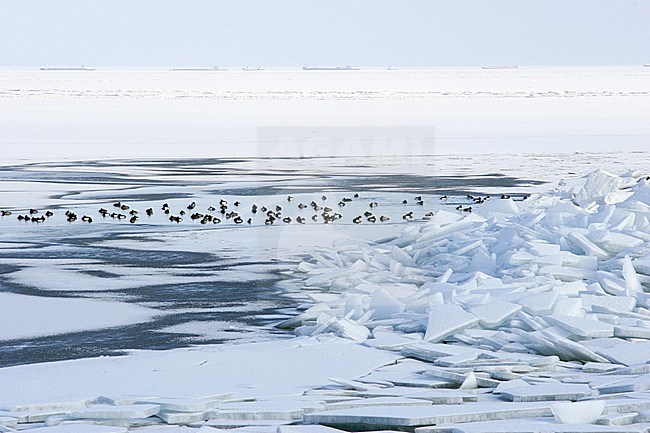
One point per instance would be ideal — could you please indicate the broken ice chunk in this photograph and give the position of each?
(548, 392)
(510, 384)
(538, 303)
(385, 305)
(446, 320)
(632, 282)
(582, 412)
(582, 326)
(102, 411)
(494, 314)
(623, 352)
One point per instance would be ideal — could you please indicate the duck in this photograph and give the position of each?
(302, 206)
(149, 211)
(374, 204)
(357, 219)
(444, 197)
(300, 220)
(384, 218)
(191, 205)
(286, 220)
(33, 211)
(5, 213)
(175, 219)
(49, 213)
(408, 216)
(254, 208)
(372, 219)
(236, 204)
(249, 221)
(289, 198)
(324, 198)
(238, 220)
(211, 208)
(468, 209)
(133, 219)
(356, 195)
(404, 201)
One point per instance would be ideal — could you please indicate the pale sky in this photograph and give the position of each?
(332, 32)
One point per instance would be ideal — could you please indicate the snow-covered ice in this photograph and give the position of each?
(32, 316)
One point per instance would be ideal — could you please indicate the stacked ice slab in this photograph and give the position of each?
(560, 274)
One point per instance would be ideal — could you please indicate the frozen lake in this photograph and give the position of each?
(399, 307)
(199, 283)
(81, 140)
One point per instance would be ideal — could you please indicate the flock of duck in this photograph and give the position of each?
(322, 212)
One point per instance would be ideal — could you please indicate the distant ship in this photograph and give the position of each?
(500, 67)
(214, 68)
(331, 68)
(251, 68)
(67, 68)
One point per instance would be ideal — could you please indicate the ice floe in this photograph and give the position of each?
(31, 316)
